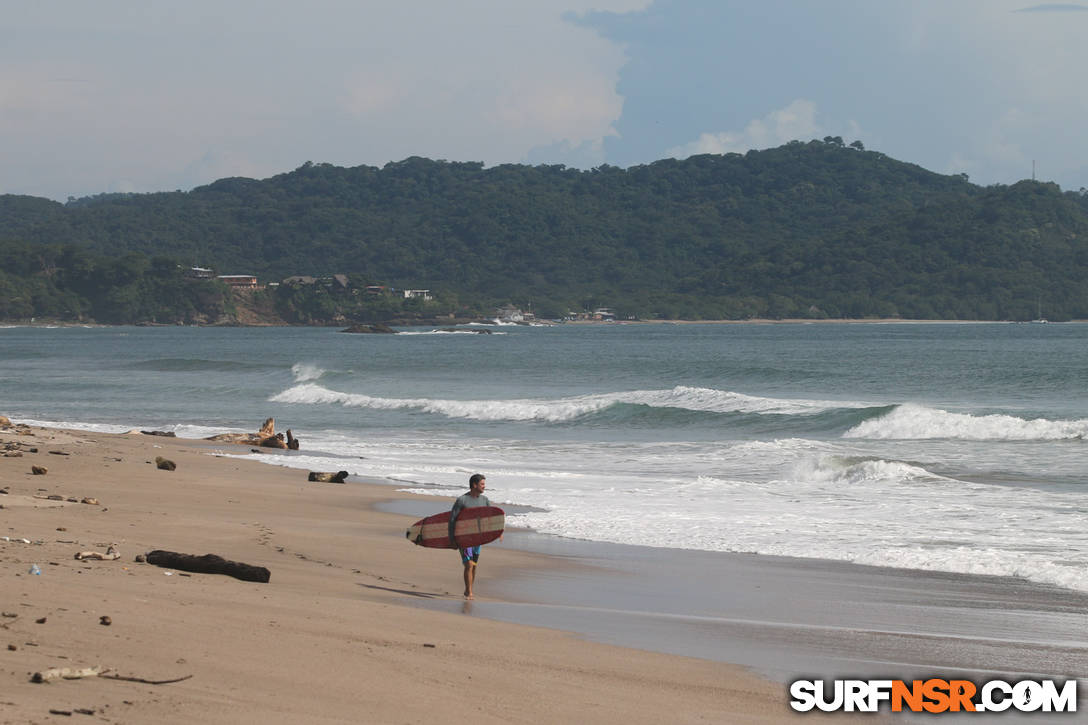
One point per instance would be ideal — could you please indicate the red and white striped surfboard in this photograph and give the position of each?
(475, 526)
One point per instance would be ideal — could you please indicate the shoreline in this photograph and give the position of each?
(355, 615)
(852, 620)
(330, 638)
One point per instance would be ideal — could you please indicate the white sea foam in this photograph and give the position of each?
(193, 432)
(877, 512)
(790, 497)
(844, 471)
(445, 332)
(545, 410)
(563, 409)
(918, 422)
(77, 425)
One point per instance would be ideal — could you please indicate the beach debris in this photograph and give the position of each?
(36, 571)
(266, 437)
(65, 673)
(60, 453)
(275, 441)
(337, 477)
(105, 620)
(208, 564)
(12, 648)
(70, 499)
(110, 554)
(249, 439)
(39, 470)
(164, 433)
(146, 682)
(140, 559)
(40, 620)
(164, 464)
(77, 673)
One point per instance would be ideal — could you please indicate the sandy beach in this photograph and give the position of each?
(329, 637)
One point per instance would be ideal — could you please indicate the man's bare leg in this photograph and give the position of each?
(470, 578)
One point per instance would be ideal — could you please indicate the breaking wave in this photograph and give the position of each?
(564, 409)
(304, 372)
(910, 421)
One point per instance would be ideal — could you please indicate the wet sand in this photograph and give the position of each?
(795, 618)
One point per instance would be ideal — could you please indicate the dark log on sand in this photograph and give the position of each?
(337, 477)
(209, 564)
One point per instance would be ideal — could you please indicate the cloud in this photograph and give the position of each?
(276, 83)
(795, 121)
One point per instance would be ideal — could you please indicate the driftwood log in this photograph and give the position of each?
(208, 564)
(337, 477)
(274, 441)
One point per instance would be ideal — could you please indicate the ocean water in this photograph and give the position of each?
(950, 447)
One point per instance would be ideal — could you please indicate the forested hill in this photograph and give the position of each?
(815, 229)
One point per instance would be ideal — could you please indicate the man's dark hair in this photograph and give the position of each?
(475, 478)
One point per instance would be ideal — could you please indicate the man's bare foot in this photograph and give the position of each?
(468, 595)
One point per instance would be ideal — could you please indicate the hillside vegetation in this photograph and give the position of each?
(812, 230)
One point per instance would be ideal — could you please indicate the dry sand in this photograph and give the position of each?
(328, 639)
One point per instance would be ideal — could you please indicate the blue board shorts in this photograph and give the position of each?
(471, 553)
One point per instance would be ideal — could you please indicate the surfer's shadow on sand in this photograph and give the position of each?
(409, 592)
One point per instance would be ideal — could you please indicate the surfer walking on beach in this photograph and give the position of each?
(470, 556)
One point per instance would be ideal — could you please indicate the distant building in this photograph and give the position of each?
(375, 289)
(299, 279)
(199, 273)
(242, 281)
(423, 294)
(509, 313)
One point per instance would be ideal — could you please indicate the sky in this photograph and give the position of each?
(126, 96)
